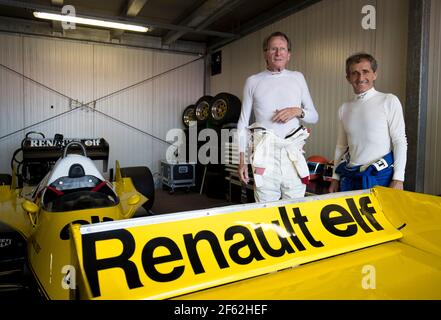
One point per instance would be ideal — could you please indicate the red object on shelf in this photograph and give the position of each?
(316, 166)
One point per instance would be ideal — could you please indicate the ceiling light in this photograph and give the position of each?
(91, 22)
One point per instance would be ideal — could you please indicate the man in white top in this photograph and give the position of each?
(371, 143)
(280, 99)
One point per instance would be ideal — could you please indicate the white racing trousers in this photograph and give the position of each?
(279, 167)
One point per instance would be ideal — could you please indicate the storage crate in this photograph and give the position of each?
(178, 175)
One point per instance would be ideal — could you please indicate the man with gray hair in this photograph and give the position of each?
(371, 143)
(280, 99)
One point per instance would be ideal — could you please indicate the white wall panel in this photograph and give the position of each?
(172, 93)
(323, 36)
(11, 97)
(147, 92)
(432, 181)
(391, 47)
(116, 71)
(134, 91)
(66, 68)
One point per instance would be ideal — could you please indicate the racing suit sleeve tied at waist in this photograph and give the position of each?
(378, 173)
(266, 143)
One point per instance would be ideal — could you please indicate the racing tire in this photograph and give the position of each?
(225, 108)
(5, 179)
(142, 179)
(202, 110)
(188, 115)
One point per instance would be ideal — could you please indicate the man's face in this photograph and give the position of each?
(277, 54)
(361, 76)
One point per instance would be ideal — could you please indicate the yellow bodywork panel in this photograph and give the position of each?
(372, 244)
(387, 271)
(340, 246)
(50, 256)
(11, 211)
(407, 268)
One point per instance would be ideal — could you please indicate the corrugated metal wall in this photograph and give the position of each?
(432, 182)
(323, 36)
(87, 72)
(11, 96)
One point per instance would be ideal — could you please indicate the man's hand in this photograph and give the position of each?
(243, 173)
(242, 170)
(396, 184)
(286, 114)
(334, 186)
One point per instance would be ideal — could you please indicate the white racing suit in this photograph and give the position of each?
(280, 170)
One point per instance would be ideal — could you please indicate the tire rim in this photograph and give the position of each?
(202, 111)
(189, 115)
(219, 109)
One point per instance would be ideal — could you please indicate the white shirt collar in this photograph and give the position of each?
(275, 72)
(365, 95)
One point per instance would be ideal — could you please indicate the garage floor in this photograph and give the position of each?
(184, 201)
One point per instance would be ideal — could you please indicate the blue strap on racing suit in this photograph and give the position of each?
(377, 174)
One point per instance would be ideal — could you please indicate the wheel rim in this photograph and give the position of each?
(202, 111)
(189, 115)
(219, 109)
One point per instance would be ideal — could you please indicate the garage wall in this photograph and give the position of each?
(432, 182)
(11, 97)
(323, 36)
(74, 70)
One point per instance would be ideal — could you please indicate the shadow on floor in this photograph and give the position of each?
(184, 201)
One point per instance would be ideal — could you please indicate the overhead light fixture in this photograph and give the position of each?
(91, 22)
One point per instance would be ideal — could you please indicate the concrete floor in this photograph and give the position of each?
(181, 200)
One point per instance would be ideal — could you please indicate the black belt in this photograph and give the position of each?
(295, 131)
(286, 137)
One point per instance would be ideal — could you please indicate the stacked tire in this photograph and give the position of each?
(215, 112)
(188, 115)
(209, 111)
(225, 108)
(202, 110)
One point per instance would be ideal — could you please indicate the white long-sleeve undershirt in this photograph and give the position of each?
(371, 126)
(270, 91)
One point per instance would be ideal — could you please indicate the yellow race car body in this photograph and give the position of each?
(371, 244)
(73, 192)
(408, 268)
